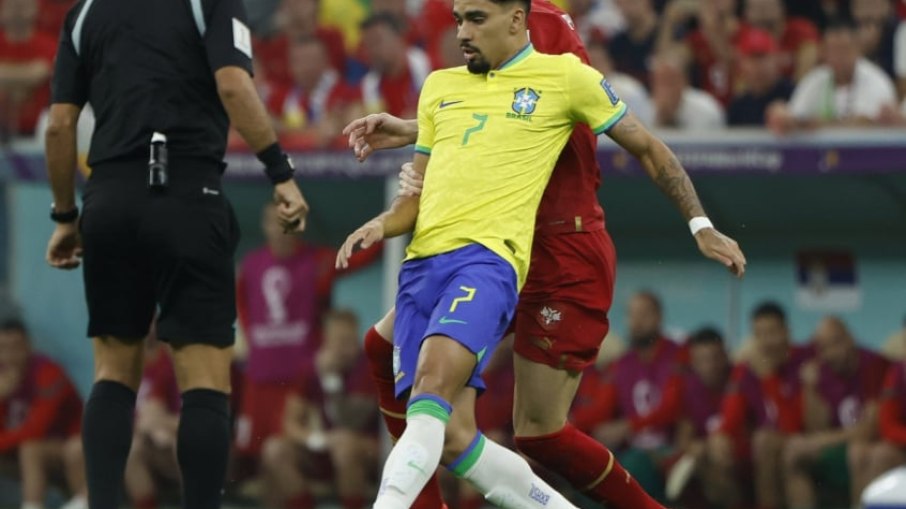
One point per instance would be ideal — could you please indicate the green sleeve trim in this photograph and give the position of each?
(421, 149)
(606, 126)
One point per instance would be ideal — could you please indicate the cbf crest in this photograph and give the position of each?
(525, 100)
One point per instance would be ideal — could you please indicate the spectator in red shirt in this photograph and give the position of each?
(840, 391)
(53, 13)
(711, 47)
(153, 453)
(26, 61)
(797, 37)
(296, 19)
(870, 460)
(40, 420)
(319, 103)
(397, 70)
(761, 407)
(330, 425)
(435, 25)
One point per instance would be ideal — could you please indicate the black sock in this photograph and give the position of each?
(106, 439)
(202, 447)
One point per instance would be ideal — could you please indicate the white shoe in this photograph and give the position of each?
(679, 477)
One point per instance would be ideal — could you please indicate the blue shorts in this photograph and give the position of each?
(468, 295)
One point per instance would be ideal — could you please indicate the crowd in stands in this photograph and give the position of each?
(683, 64)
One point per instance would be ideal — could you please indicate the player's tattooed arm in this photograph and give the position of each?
(660, 163)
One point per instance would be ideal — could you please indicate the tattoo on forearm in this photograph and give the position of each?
(675, 183)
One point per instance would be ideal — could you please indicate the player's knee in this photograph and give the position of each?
(119, 360)
(384, 326)
(276, 453)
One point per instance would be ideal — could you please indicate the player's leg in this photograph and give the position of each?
(354, 457)
(36, 460)
(284, 484)
(502, 476)
(139, 479)
(720, 478)
(379, 352)
(74, 472)
(858, 462)
(543, 397)
(767, 449)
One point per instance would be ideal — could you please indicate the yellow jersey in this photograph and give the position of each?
(493, 140)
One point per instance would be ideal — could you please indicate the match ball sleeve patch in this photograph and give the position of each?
(242, 37)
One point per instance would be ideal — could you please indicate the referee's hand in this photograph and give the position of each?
(64, 250)
(292, 209)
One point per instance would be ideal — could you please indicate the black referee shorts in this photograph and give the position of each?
(172, 251)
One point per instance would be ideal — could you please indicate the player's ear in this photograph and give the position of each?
(518, 23)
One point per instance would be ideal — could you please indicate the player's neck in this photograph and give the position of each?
(517, 46)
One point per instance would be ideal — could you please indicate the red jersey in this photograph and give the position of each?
(297, 109)
(397, 95)
(273, 53)
(570, 201)
(44, 405)
(716, 78)
(40, 47)
(647, 392)
(797, 33)
(326, 394)
(771, 401)
(892, 413)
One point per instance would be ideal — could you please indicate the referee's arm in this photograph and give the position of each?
(69, 89)
(228, 44)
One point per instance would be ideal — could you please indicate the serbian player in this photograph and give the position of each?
(890, 451)
(841, 389)
(703, 390)
(562, 314)
(40, 420)
(763, 401)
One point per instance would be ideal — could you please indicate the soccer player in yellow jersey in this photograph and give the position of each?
(489, 135)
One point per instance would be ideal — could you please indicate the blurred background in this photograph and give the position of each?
(790, 115)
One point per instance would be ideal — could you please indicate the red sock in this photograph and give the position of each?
(379, 352)
(301, 501)
(149, 502)
(474, 502)
(583, 461)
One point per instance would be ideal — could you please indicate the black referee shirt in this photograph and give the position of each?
(148, 65)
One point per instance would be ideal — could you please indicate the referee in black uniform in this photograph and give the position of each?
(165, 78)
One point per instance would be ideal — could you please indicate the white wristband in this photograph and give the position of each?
(697, 224)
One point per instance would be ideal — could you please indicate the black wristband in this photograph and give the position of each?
(277, 165)
(69, 216)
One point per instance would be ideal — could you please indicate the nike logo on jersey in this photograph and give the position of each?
(208, 190)
(444, 321)
(451, 103)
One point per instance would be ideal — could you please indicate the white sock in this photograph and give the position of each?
(506, 479)
(414, 458)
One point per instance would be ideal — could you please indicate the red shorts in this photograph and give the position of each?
(561, 319)
(261, 414)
